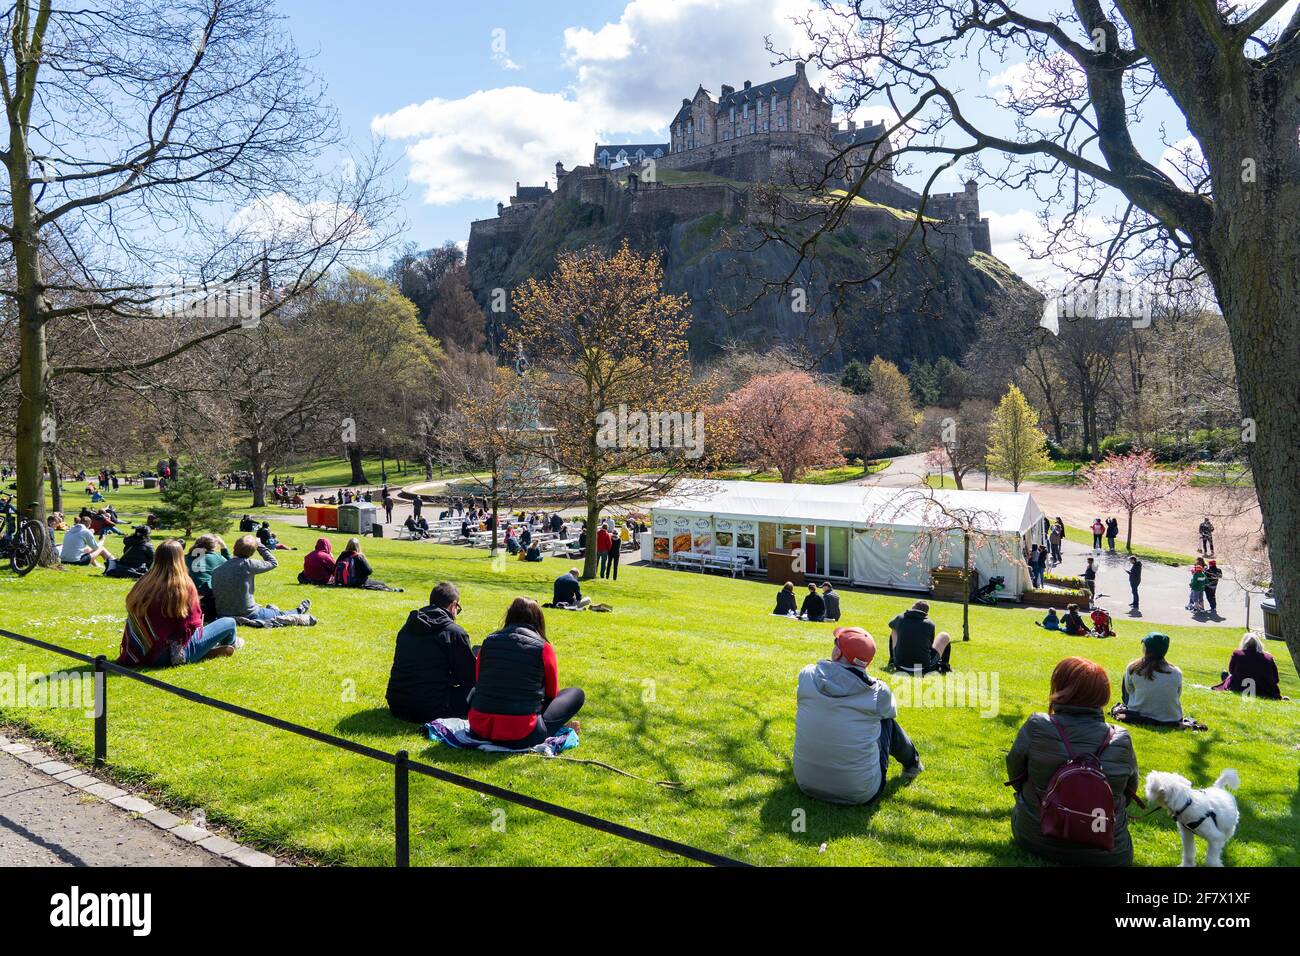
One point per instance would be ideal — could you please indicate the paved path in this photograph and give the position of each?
(47, 823)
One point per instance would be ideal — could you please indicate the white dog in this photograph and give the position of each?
(1210, 813)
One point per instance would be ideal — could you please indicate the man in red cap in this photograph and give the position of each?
(846, 728)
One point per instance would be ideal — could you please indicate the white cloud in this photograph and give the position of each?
(629, 78)
(1009, 232)
(281, 217)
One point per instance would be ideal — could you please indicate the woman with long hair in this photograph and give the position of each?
(352, 570)
(1080, 691)
(1153, 687)
(164, 619)
(517, 700)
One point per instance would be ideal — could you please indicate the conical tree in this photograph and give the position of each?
(1017, 446)
(193, 501)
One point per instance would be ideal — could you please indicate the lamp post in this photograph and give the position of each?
(383, 455)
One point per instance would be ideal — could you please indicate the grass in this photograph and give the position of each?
(816, 476)
(690, 679)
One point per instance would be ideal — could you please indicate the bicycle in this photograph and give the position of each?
(23, 539)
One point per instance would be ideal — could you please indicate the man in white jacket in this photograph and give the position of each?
(845, 727)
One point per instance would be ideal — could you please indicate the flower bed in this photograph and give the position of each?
(1058, 598)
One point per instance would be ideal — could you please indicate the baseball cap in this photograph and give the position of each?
(856, 645)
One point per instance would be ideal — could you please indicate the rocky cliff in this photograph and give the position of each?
(725, 242)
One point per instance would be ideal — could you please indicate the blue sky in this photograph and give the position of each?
(470, 98)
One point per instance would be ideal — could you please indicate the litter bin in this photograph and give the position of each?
(349, 519)
(1272, 620)
(365, 518)
(151, 482)
(377, 530)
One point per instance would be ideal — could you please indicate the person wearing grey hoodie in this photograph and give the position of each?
(233, 585)
(845, 726)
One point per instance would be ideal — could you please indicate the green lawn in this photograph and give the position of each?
(816, 476)
(690, 679)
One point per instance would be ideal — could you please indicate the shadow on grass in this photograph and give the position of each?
(378, 722)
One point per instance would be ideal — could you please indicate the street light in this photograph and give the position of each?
(383, 454)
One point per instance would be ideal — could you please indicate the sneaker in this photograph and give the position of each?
(914, 771)
(310, 622)
(305, 606)
(239, 642)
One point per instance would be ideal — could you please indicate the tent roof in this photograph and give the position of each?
(844, 505)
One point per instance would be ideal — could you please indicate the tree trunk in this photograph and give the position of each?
(260, 468)
(1257, 281)
(965, 597)
(593, 518)
(1128, 538)
(56, 483)
(358, 469)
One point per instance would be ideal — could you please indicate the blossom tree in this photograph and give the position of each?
(789, 421)
(1133, 484)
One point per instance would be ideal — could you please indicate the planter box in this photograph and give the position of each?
(1057, 599)
(947, 584)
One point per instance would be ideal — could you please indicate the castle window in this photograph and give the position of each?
(745, 111)
(796, 122)
(773, 102)
(764, 124)
(733, 114)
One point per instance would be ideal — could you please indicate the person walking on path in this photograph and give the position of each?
(1054, 540)
(1090, 579)
(1207, 537)
(1098, 529)
(1196, 597)
(603, 541)
(1134, 579)
(388, 508)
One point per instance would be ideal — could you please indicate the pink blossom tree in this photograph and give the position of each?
(1134, 484)
(789, 421)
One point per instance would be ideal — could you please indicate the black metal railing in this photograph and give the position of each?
(401, 762)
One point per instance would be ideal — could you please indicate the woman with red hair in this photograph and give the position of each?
(1075, 713)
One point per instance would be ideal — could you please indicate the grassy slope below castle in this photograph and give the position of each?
(690, 679)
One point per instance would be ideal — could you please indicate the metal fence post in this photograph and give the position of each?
(101, 711)
(401, 808)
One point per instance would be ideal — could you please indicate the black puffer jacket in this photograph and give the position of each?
(433, 668)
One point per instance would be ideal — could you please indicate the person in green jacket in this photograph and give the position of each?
(208, 554)
(1196, 598)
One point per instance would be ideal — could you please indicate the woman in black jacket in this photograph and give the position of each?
(785, 600)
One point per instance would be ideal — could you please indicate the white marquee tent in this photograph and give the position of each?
(860, 534)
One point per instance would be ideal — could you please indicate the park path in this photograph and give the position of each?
(45, 822)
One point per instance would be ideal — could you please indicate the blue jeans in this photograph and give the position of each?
(268, 613)
(220, 631)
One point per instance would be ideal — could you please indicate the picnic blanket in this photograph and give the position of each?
(1127, 716)
(455, 733)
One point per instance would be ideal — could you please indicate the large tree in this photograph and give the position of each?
(1016, 445)
(1100, 82)
(610, 373)
(154, 144)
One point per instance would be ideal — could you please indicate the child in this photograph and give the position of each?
(1101, 622)
(1051, 622)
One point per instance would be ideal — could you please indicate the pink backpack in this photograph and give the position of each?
(1079, 806)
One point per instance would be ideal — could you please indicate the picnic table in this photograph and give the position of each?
(706, 561)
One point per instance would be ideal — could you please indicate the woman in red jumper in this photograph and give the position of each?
(517, 700)
(164, 620)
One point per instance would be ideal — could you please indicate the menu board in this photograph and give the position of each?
(724, 537)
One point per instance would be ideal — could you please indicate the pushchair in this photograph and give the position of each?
(988, 593)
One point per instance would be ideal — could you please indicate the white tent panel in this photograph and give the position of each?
(882, 561)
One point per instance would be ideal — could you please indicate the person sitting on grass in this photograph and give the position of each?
(567, 592)
(913, 644)
(318, 564)
(80, 547)
(433, 664)
(846, 726)
(814, 606)
(352, 570)
(533, 553)
(512, 543)
(517, 699)
(164, 618)
(786, 604)
(137, 556)
(1152, 688)
(208, 554)
(1080, 691)
(832, 599)
(1051, 622)
(1101, 622)
(268, 538)
(234, 586)
(1073, 623)
(1252, 671)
